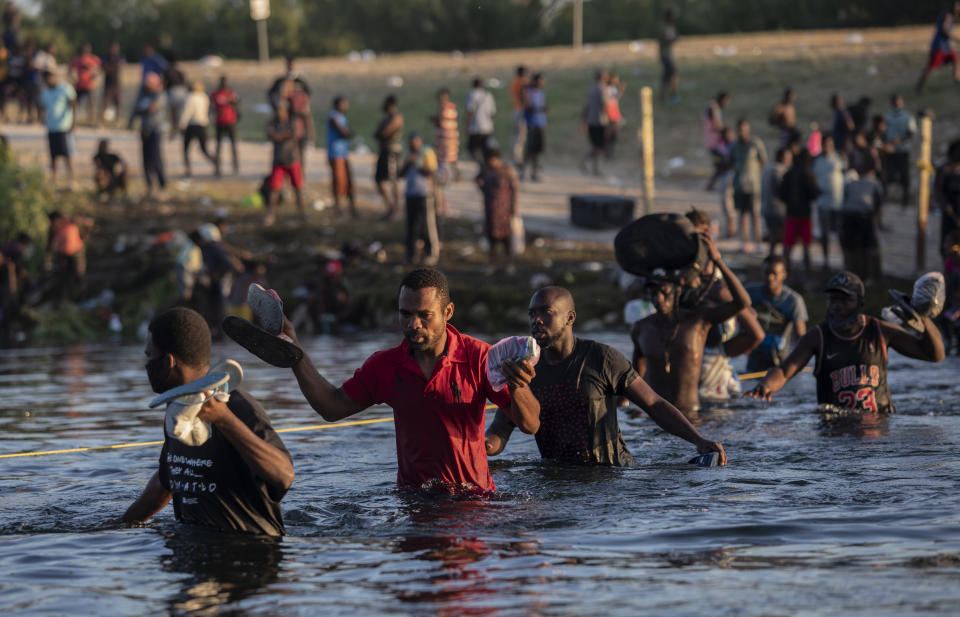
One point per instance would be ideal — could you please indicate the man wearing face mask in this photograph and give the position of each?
(851, 352)
(578, 383)
(234, 480)
(436, 382)
(668, 345)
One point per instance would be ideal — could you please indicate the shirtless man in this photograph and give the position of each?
(578, 383)
(668, 345)
(851, 352)
(942, 51)
(732, 338)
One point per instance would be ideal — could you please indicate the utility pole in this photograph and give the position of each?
(578, 24)
(260, 12)
(923, 196)
(646, 146)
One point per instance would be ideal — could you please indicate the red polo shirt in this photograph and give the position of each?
(439, 421)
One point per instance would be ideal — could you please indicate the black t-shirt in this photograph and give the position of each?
(578, 406)
(111, 70)
(285, 149)
(216, 259)
(107, 161)
(173, 77)
(212, 484)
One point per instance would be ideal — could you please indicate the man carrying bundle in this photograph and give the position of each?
(578, 383)
(668, 345)
(234, 480)
(851, 351)
(434, 380)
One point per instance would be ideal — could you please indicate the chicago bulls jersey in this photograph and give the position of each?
(852, 372)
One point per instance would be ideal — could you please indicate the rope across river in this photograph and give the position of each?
(315, 427)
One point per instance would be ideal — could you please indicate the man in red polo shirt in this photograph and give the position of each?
(436, 383)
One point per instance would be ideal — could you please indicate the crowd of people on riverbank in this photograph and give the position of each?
(834, 182)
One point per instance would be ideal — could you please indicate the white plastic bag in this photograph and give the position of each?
(518, 240)
(514, 348)
(181, 420)
(929, 294)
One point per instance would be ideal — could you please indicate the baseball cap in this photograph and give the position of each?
(846, 282)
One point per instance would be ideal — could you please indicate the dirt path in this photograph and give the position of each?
(544, 205)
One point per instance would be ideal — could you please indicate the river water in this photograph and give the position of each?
(807, 519)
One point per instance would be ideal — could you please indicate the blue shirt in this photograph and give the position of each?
(941, 41)
(154, 64)
(535, 115)
(56, 102)
(338, 146)
(417, 184)
(776, 317)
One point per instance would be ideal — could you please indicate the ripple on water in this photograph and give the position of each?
(861, 519)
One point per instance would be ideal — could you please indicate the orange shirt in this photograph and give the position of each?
(516, 92)
(68, 240)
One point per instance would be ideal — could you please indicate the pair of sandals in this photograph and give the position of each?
(266, 340)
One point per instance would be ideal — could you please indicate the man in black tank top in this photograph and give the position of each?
(851, 352)
(578, 382)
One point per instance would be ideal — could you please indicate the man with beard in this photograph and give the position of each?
(436, 383)
(851, 352)
(234, 480)
(578, 383)
(668, 345)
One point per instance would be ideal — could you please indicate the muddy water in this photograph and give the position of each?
(807, 519)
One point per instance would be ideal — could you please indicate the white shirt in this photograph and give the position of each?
(482, 107)
(196, 110)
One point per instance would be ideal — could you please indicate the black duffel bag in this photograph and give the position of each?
(660, 246)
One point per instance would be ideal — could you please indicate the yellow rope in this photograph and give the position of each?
(744, 377)
(157, 443)
(761, 374)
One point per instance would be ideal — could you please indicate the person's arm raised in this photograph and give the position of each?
(669, 418)
(330, 402)
(776, 378)
(740, 300)
(928, 347)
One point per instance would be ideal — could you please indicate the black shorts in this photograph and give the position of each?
(226, 130)
(475, 142)
(387, 165)
(897, 168)
(744, 202)
(59, 142)
(598, 135)
(84, 95)
(669, 67)
(858, 231)
(830, 220)
(535, 140)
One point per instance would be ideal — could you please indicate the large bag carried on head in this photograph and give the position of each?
(656, 242)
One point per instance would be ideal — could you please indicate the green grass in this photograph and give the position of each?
(754, 82)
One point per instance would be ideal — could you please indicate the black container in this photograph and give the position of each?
(601, 211)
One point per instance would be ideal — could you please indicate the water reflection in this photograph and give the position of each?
(221, 568)
(863, 425)
(797, 516)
